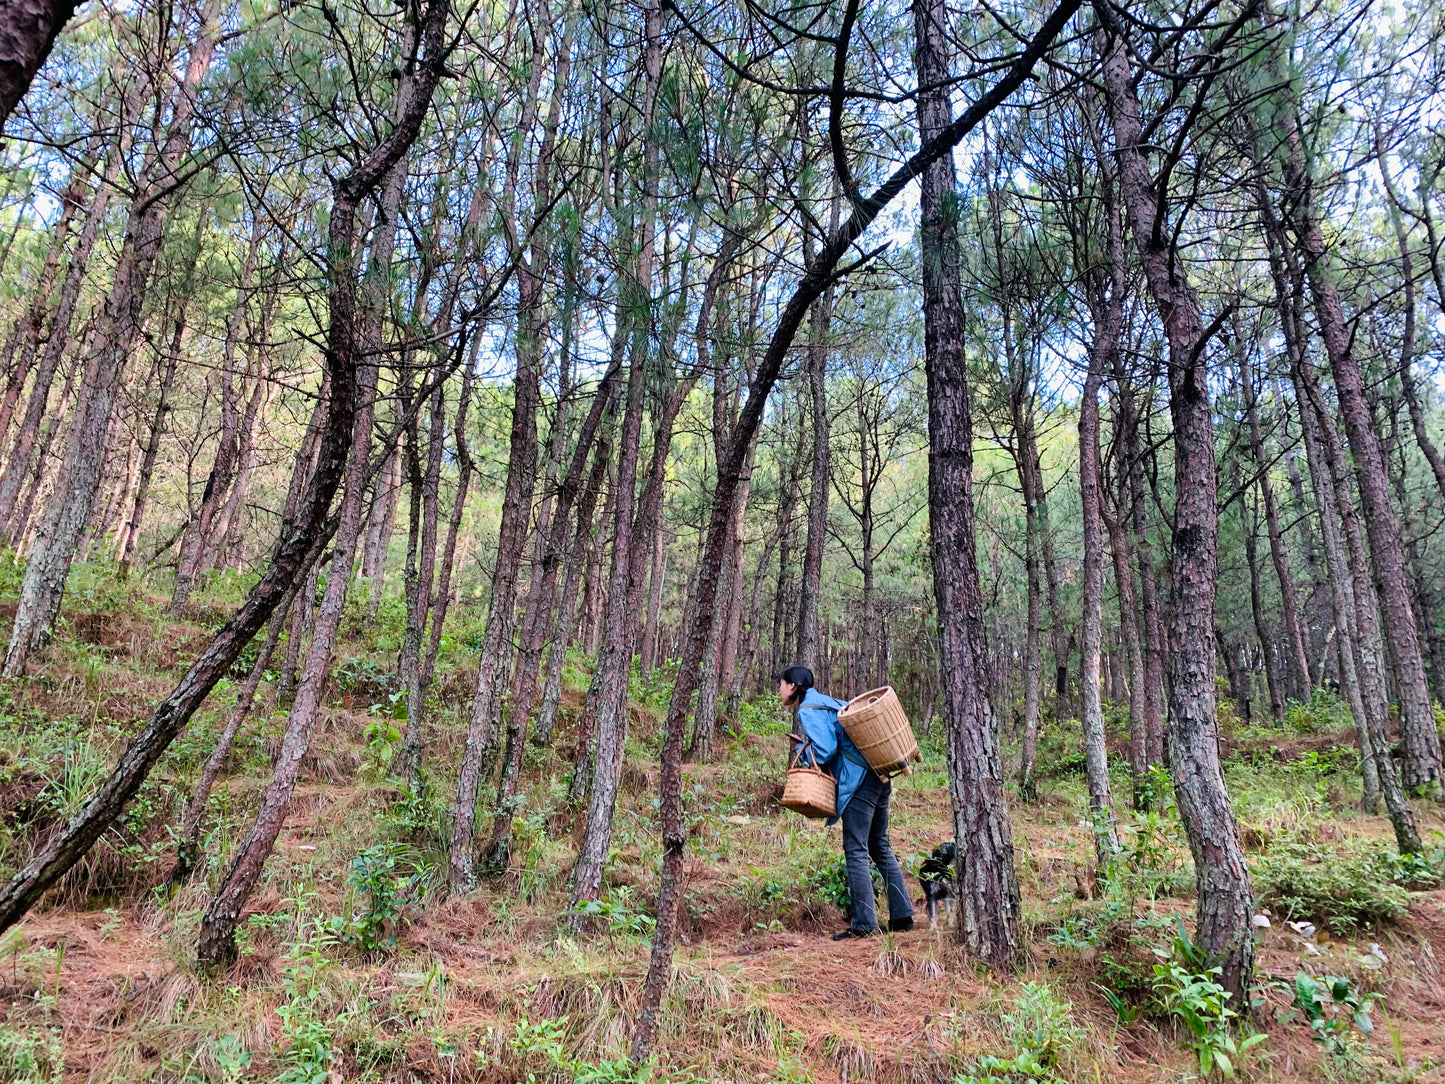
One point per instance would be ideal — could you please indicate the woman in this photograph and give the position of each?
(862, 805)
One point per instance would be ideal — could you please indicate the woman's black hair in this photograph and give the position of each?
(799, 676)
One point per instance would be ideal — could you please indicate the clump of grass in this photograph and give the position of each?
(1344, 886)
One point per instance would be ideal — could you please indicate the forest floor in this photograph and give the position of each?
(354, 967)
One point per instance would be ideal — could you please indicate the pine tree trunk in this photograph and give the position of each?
(223, 469)
(808, 289)
(494, 666)
(421, 547)
(1421, 768)
(1226, 901)
(188, 847)
(985, 883)
(656, 578)
(231, 529)
(130, 535)
(59, 532)
(1108, 317)
(28, 29)
(1134, 655)
(539, 611)
(609, 681)
(1294, 630)
(1356, 615)
(1032, 661)
(22, 347)
(566, 613)
(810, 591)
(380, 522)
(1262, 627)
(216, 939)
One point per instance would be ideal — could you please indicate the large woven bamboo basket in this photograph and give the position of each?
(877, 726)
(809, 790)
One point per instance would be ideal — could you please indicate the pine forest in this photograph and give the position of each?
(475, 477)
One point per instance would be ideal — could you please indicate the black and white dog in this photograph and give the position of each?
(936, 877)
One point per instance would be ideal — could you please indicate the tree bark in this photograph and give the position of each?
(1108, 317)
(130, 534)
(524, 687)
(1262, 627)
(1294, 630)
(1226, 901)
(22, 451)
(1421, 767)
(567, 612)
(28, 29)
(188, 847)
(810, 591)
(421, 548)
(985, 883)
(494, 666)
(1032, 662)
(223, 469)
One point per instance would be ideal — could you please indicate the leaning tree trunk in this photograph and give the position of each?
(28, 29)
(1226, 901)
(188, 847)
(819, 275)
(216, 939)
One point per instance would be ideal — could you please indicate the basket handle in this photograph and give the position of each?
(803, 745)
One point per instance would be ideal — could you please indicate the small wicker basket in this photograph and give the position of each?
(809, 791)
(877, 726)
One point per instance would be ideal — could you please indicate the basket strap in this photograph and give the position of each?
(855, 757)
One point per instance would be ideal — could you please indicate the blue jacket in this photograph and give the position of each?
(837, 755)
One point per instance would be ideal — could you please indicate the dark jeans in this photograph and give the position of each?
(865, 835)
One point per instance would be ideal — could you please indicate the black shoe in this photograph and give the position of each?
(900, 925)
(850, 932)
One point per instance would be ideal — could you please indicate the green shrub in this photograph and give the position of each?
(380, 897)
(1324, 712)
(1025, 1067)
(1343, 887)
(1042, 1022)
(1190, 992)
(31, 1057)
(1330, 1006)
